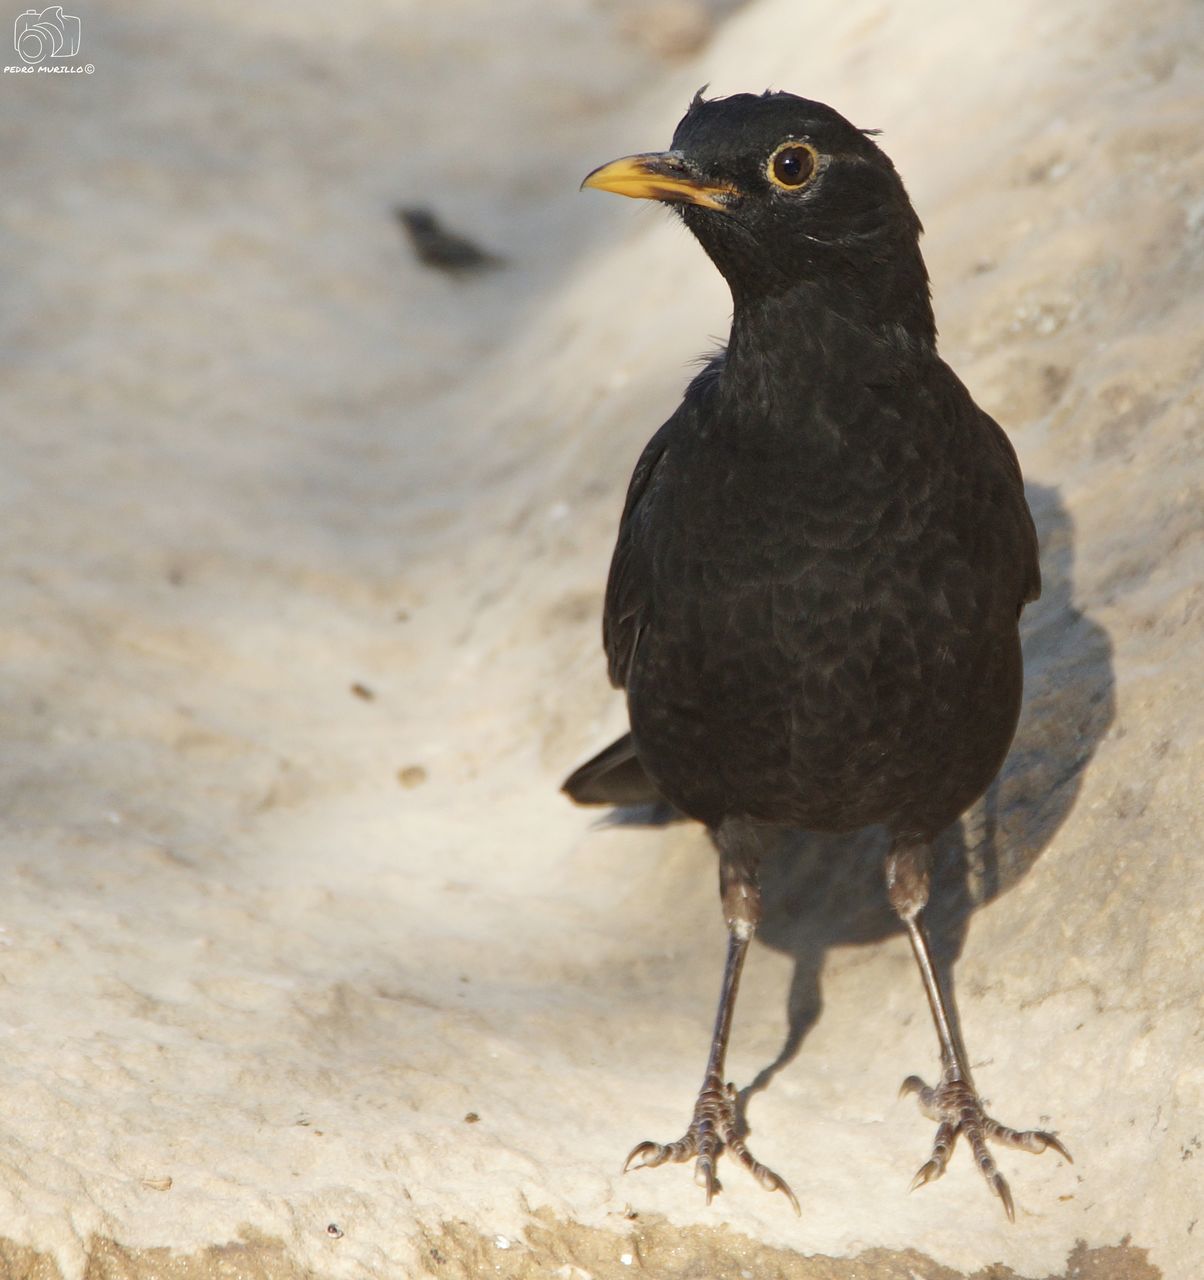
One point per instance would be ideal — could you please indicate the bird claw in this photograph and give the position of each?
(913, 1084)
(713, 1130)
(926, 1173)
(651, 1154)
(958, 1110)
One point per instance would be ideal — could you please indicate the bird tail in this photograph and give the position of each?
(614, 776)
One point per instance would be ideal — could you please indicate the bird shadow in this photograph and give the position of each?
(821, 891)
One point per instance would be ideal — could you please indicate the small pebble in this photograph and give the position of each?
(626, 1259)
(413, 775)
(362, 691)
(334, 1231)
(502, 1242)
(157, 1184)
(471, 1118)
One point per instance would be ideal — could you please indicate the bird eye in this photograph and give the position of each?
(792, 165)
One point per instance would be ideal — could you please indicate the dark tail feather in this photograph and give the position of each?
(614, 776)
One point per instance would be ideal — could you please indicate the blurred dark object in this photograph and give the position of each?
(437, 247)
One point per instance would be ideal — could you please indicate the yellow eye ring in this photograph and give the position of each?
(792, 165)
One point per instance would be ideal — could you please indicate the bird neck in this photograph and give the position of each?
(889, 299)
(786, 347)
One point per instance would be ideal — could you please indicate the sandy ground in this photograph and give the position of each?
(298, 980)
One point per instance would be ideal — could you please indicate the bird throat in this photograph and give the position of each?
(792, 354)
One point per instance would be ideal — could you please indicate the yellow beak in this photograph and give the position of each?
(661, 175)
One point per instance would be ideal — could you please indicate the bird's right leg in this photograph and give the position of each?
(714, 1127)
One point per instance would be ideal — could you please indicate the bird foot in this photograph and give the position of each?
(957, 1109)
(713, 1130)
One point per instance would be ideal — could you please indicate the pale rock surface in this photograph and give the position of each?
(255, 976)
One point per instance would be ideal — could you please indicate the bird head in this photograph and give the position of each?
(783, 192)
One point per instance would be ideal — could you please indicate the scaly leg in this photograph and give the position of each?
(954, 1103)
(714, 1127)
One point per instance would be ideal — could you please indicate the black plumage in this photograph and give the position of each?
(814, 598)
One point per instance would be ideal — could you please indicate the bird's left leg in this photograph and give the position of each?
(715, 1127)
(954, 1103)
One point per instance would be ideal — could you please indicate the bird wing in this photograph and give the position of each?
(627, 588)
(992, 506)
(1030, 552)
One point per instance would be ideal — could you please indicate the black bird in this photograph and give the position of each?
(815, 596)
(444, 250)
